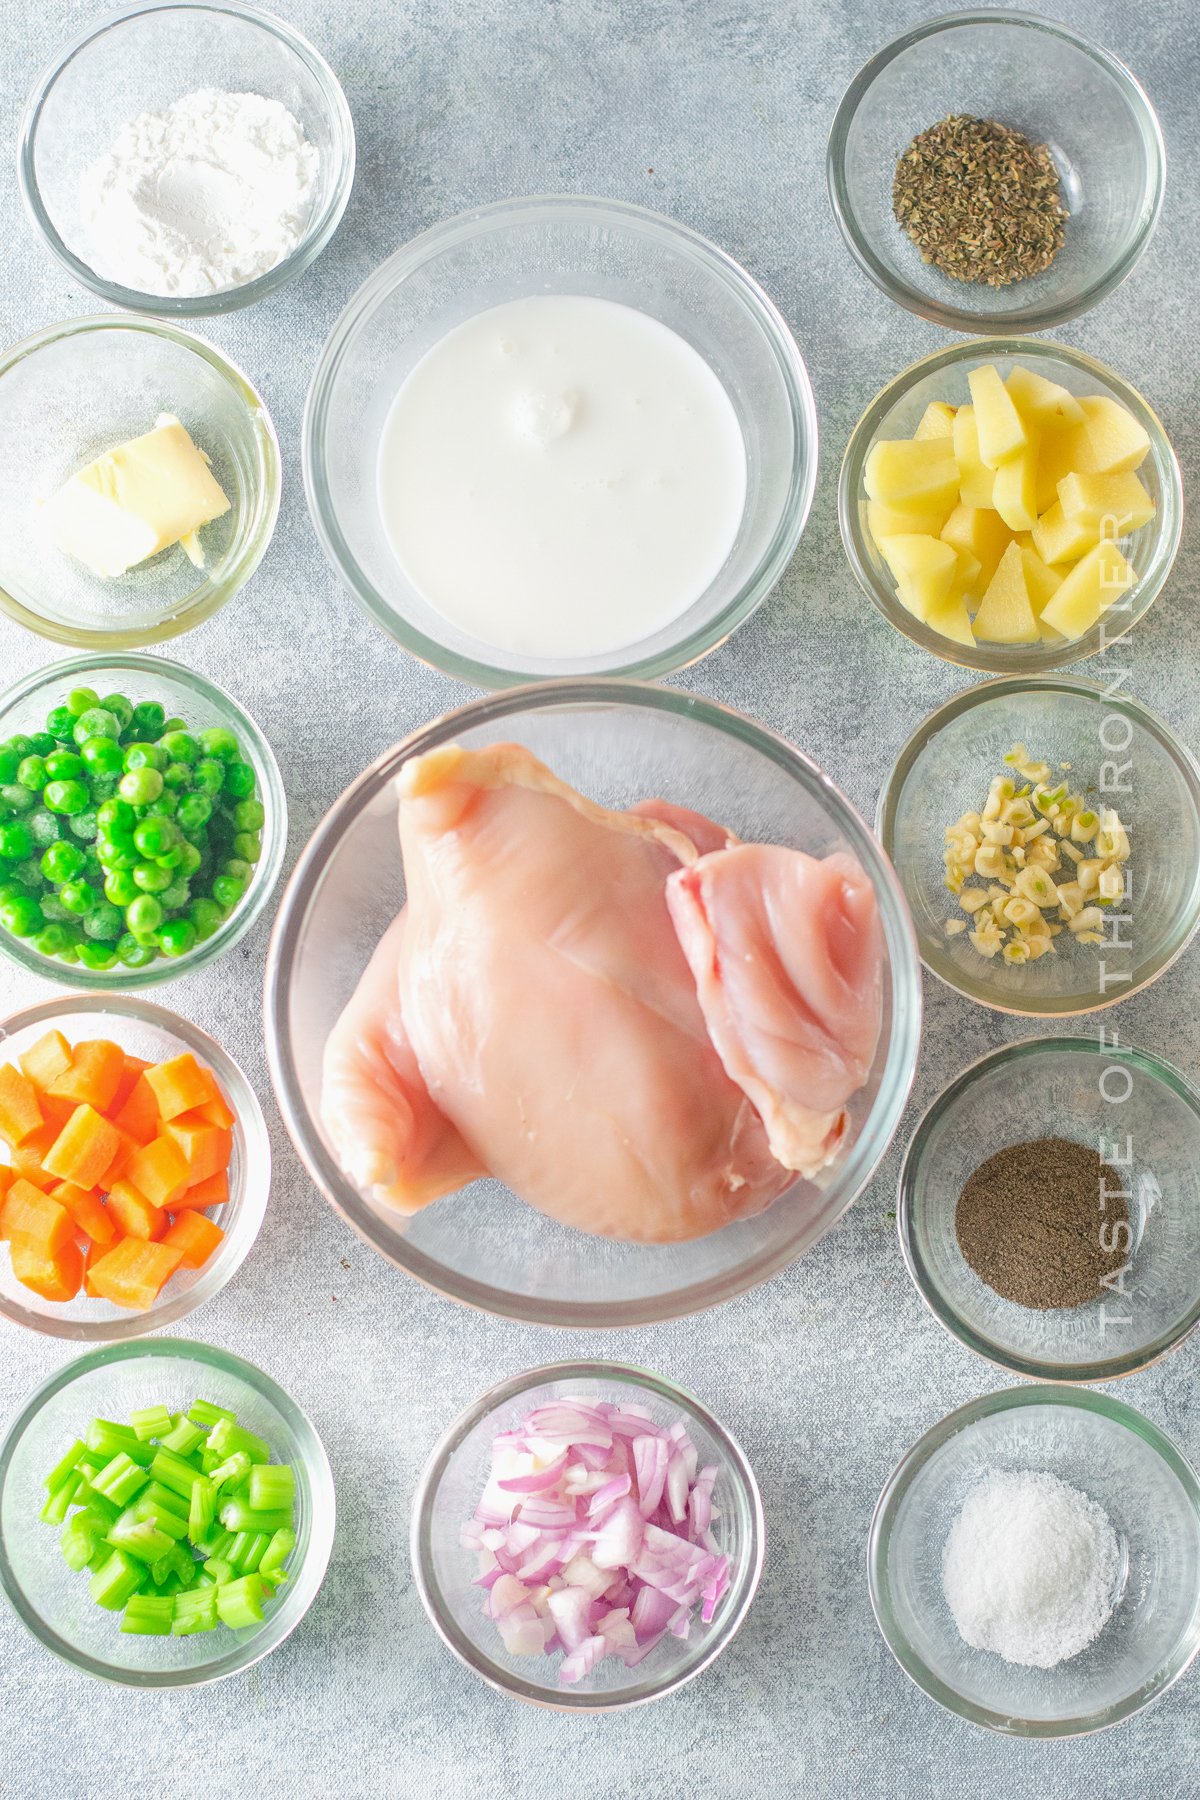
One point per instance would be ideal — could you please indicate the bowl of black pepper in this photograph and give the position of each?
(1049, 1209)
(995, 171)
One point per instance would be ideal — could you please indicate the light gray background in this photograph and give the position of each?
(716, 113)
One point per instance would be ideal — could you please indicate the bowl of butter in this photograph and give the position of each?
(139, 481)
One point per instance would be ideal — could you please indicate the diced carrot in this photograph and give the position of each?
(84, 1148)
(218, 1111)
(134, 1066)
(180, 1084)
(27, 1216)
(159, 1170)
(132, 1272)
(138, 1113)
(55, 1110)
(206, 1148)
(6, 1178)
(20, 1114)
(92, 1253)
(213, 1192)
(55, 1275)
(46, 1060)
(87, 1210)
(136, 1216)
(196, 1236)
(94, 1075)
(29, 1157)
(121, 1155)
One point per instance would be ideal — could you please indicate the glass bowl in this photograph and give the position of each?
(77, 389)
(445, 1571)
(142, 59)
(945, 769)
(618, 742)
(52, 1600)
(1123, 1463)
(565, 244)
(1047, 81)
(1144, 1119)
(895, 412)
(154, 1034)
(202, 703)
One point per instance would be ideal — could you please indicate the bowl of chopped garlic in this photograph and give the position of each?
(1046, 833)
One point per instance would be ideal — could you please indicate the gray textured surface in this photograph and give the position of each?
(828, 1373)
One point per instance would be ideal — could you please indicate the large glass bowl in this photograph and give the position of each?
(945, 769)
(201, 703)
(1122, 1462)
(52, 1600)
(72, 392)
(1056, 87)
(565, 244)
(895, 412)
(154, 1034)
(445, 1572)
(143, 59)
(617, 742)
(1144, 1119)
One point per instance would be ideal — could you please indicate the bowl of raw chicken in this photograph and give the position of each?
(592, 1004)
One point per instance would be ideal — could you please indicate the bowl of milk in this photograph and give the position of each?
(559, 436)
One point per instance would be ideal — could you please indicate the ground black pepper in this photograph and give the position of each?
(1034, 1219)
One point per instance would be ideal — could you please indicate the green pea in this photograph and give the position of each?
(120, 888)
(165, 807)
(227, 890)
(79, 700)
(175, 897)
(64, 765)
(240, 780)
(195, 810)
(154, 836)
(93, 868)
(177, 937)
(52, 907)
(83, 825)
(237, 867)
(60, 723)
(32, 772)
(177, 775)
(217, 741)
(68, 797)
(78, 897)
(150, 878)
(117, 850)
(146, 756)
(144, 914)
(97, 956)
(249, 815)
(148, 719)
(189, 861)
(116, 813)
(180, 746)
(133, 954)
(140, 786)
(103, 788)
(10, 762)
(97, 721)
(52, 940)
(206, 916)
(119, 707)
(16, 840)
(42, 744)
(248, 846)
(61, 862)
(103, 755)
(44, 826)
(104, 923)
(17, 798)
(21, 744)
(21, 915)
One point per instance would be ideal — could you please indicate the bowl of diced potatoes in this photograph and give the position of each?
(1010, 505)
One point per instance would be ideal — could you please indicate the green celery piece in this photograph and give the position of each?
(206, 1412)
(255, 1550)
(203, 1510)
(169, 1523)
(98, 1515)
(149, 1615)
(278, 1550)
(120, 1479)
(175, 1562)
(240, 1603)
(140, 1538)
(195, 1611)
(59, 1504)
(276, 1577)
(238, 1515)
(174, 1473)
(166, 1499)
(89, 1465)
(99, 1556)
(115, 1580)
(229, 1438)
(272, 1487)
(238, 1548)
(171, 1587)
(217, 1570)
(183, 1437)
(106, 1438)
(78, 1543)
(210, 1459)
(231, 1473)
(65, 1466)
(150, 1422)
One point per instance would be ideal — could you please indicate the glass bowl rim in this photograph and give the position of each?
(920, 1453)
(955, 318)
(1009, 659)
(222, 1269)
(1030, 1368)
(546, 1694)
(258, 527)
(482, 221)
(310, 1574)
(896, 1080)
(318, 231)
(1081, 687)
(248, 910)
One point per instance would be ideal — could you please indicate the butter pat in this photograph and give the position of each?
(136, 500)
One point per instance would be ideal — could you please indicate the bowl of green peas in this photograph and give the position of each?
(142, 821)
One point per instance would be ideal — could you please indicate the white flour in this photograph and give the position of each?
(210, 193)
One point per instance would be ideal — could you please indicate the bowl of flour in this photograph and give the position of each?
(186, 159)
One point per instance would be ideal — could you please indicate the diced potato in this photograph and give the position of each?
(981, 532)
(1116, 504)
(1014, 492)
(967, 582)
(896, 521)
(999, 424)
(1040, 402)
(1058, 539)
(1005, 614)
(953, 620)
(1096, 581)
(1110, 440)
(974, 480)
(1056, 459)
(924, 568)
(907, 473)
(937, 421)
(1041, 581)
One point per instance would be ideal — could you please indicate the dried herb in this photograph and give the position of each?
(1034, 1221)
(980, 201)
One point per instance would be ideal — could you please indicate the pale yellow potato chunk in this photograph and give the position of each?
(1096, 581)
(937, 421)
(1014, 492)
(1056, 459)
(1006, 615)
(974, 480)
(923, 567)
(981, 532)
(1112, 505)
(895, 521)
(952, 620)
(1042, 403)
(909, 473)
(999, 425)
(1058, 539)
(1110, 440)
(1041, 581)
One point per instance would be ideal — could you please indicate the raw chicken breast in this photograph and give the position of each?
(786, 952)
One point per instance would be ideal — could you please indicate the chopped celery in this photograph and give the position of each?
(240, 1603)
(278, 1550)
(165, 1499)
(203, 1509)
(238, 1548)
(65, 1466)
(183, 1436)
(140, 1538)
(120, 1479)
(59, 1504)
(272, 1488)
(217, 1569)
(150, 1422)
(195, 1611)
(115, 1580)
(238, 1515)
(149, 1615)
(167, 1522)
(276, 1577)
(78, 1542)
(206, 1412)
(174, 1473)
(227, 1438)
(254, 1552)
(232, 1473)
(177, 1563)
(107, 1438)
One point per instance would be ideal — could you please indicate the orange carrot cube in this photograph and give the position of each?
(27, 1216)
(181, 1084)
(203, 1194)
(94, 1075)
(84, 1148)
(135, 1215)
(138, 1113)
(206, 1148)
(126, 1146)
(55, 1275)
(20, 1114)
(132, 1272)
(196, 1236)
(87, 1211)
(29, 1157)
(218, 1111)
(134, 1067)
(46, 1060)
(159, 1170)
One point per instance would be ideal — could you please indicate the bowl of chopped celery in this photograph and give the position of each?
(1046, 833)
(166, 1514)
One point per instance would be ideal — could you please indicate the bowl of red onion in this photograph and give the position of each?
(587, 1536)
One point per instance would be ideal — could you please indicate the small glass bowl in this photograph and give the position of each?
(617, 742)
(75, 390)
(895, 413)
(142, 59)
(52, 1600)
(154, 1034)
(1047, 81)
(445, 1571)
(202, 703)
(1143, 1118)
(945, 770)
(1123, 1463)
(558, 244)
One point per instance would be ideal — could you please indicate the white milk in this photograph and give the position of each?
(561, 476)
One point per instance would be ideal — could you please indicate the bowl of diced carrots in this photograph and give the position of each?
(134, 1167)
